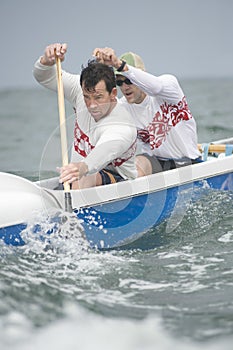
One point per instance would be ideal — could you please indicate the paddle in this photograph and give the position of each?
(214, 148)
(61, 108)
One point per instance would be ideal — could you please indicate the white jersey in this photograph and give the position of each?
(164, 123)
(108, 143)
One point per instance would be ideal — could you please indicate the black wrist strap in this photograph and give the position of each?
(120, 69)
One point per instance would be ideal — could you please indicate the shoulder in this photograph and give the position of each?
(72, 88)
(119, 118)
(121, 111)
(72, 79)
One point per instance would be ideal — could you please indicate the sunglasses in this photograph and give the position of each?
(120, 82)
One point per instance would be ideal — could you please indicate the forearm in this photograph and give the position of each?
(104, 154)
(98, 159)
(147, 82)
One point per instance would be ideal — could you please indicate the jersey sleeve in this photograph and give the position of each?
(112, 144)
(165, 86)
(46, 76)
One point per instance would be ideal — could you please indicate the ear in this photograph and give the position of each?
(114, 93)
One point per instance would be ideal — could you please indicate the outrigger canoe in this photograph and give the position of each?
(114, 216)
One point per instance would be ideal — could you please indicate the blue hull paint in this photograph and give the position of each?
(110, 225)
(11, 235)
(123, 221)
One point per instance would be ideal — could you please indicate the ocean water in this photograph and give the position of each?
(63, 295)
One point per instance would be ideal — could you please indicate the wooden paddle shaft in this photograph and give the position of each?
(214, 148)
(61, 107)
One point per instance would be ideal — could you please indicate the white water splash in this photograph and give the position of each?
(57, 230)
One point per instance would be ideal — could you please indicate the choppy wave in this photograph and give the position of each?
(59, 291)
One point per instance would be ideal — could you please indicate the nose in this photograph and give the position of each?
(91, 103)
(125, 86)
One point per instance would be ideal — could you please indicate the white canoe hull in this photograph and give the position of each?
(113, 215)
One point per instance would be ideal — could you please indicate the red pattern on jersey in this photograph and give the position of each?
(156, 132)
(83, 146)
(126, 156)
(82, 143)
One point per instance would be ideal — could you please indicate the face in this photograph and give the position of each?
(99, 102)
(131, 92)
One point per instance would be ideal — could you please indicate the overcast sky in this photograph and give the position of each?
(189, 38)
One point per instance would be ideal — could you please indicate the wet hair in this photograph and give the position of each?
(94, 72)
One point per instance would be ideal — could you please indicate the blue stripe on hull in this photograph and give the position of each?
(11, 235)
(112, 223)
